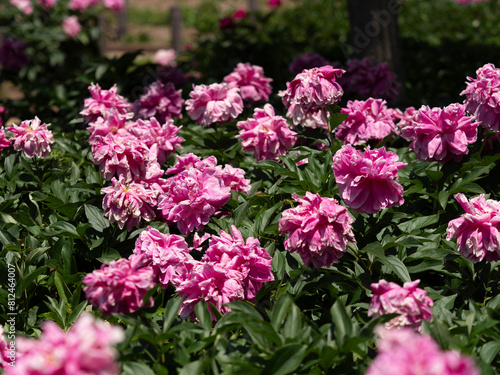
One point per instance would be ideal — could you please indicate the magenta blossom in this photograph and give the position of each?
(410, 302)
(215, 103)
(4, 142)
(319, 229)
(482, 97)
(46, 4)
(310, 91)
(119, 287)
(6, 349)
(366, 180)
(161, 101)
(71, 26)
(82, 5)
(87, 348)
(112, 122)
(250, 79)
(366, 120)
(192, 161)
(405, 352)
(102, 101)
(266, 135)
(114, 5)
(12, 54)
(34, 138)
(441, 134)
(234, 178)
(126, 203)
(478, 230)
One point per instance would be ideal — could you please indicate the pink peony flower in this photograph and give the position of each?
(366, 120)
(112, 122)
(87, 348)
(239, 14)
(192, 161)
(310, 91)
(366, 180)
(12, 54)
(250, 79)
(404, 352)
(191, 197)
(126, 203)
(114, 5)
(215, 103)
(161, 101)
(441, 134)
(4, 142)
(233, 252)
(34, 138)
(119, 287)
(411, 302)
(406, 118)
(482, 97)
(102, 101)
(266, 135)
(165, 57)
(274, 3)
(478, 230)
(234, 178)
(319, 229)
(46, 4)
(6, 350)
(25, 6)
(307, 61)
(82, 5)
(162, 252)
(71, 26)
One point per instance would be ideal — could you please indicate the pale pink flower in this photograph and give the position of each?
(366, 120)
(126, 203)
(71, 26)
(406, 118)
(366, 180)
(478, 230)
(441, 134)
(482, 97)
(266, 135)
(215, 103)
(318, 229)
(410, 302)
(250, 79)
(165, 57)
(82, 5)
(307, 61)
(310, 91)
(87, 348)
(46, 4)
(119, 287)
(405, 352)
(234, 178)
(33, 137)
(192, 197)
(25, 6)
(161, 101)
(247, 257)
(102, 101)
(114, 5)
(4, 142)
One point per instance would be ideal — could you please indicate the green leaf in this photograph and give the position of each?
(280, 310)
(136, 368)
(62, 288)
(343, 324)
(61, 227)
(203, 314)
(77, 311)
(285, 360)
(171, 312)
(28, 279)
(396, 266)
(418, 223)
(489, 351)
(96, 217)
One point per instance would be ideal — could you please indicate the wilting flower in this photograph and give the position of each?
(162, 252)
(319, 229)
(165, 57)
(478, 230)
(4, 142)
(25, 6)
(87, 348)
(119, 287)
(71, 26)
(250, 79)
(441, 134)
(34, 138)
(307, 61)
(126, 203)
(114, 5)
(12, 54)
(366, 120)
(266, 135)
(410, 302)
(102, 101)
(161, 101)
(405, 352)
(214, 103)
(366, 180)
(310, 91)
(482, 97)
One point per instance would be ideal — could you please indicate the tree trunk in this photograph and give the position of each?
(375, 33)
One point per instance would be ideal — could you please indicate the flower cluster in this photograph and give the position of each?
(33, 137)
(410, 302)
(161, 101)
(478, 230)
(87, 348)
(366, 120)
(440, 134)
(405, 352)
(366, 180)
(250, 79)
(266, 135)
(120, 286)
(319, 229)
(482, 97)
(310, 92)
(215, 103)
(101, 102)
(82, 5)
